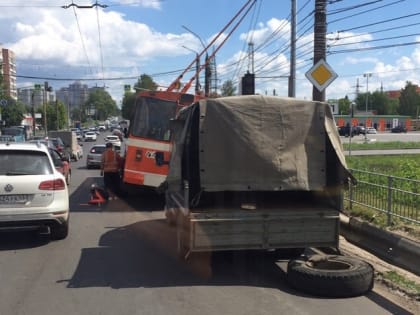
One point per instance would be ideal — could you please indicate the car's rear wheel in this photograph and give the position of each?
(59, 232)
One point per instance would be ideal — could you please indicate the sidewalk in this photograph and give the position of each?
(382, 152)
(391, 247)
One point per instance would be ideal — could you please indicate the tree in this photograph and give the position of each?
(1, 87)
(145, 82)
(127, 106)
(13, 113)
(409, 100)
(381, 104)
(361, 102)
(344, 106)
(100, 105)
(228, 89)
(56, 116)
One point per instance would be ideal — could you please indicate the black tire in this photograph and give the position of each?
(59, 232)
(330, 276)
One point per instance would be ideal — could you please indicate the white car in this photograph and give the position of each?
(370, 130)
(33, 194)
(115, 140)
(90, 136)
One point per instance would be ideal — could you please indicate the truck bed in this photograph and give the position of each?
(280, 220)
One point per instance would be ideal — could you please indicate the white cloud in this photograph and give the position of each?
(280, 27)
(154, 4)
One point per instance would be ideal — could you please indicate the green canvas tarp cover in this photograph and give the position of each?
(255, 143)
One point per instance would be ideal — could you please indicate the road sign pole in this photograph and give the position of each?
(320, 30)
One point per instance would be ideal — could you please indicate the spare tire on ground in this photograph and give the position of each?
(330, 275)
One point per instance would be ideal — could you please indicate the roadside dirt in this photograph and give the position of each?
(386, 288)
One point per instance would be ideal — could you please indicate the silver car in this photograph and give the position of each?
(94, 157)
(33, 194)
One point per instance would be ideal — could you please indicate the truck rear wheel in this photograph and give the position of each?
(330, 276)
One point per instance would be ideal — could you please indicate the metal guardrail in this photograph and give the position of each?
(395, 197)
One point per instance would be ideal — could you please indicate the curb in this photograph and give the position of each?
(393, 248)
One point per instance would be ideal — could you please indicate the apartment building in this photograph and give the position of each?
(8, 72)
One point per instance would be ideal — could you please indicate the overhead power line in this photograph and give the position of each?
(95, 5)
(372, 48)
(380, 22)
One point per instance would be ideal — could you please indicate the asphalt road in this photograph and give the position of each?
(121, 259)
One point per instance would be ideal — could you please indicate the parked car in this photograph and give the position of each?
(370, 130)
(345, 131)
(93, 158)
(61, 164)
(360, 130)
(90, 136)
(34, 195)
(115, 140)
(398, 129)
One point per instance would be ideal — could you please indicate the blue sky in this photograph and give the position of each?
(114, 45)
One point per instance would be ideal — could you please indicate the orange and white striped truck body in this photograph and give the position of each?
(148, 134)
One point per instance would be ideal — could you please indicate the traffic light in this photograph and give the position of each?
(248, 84)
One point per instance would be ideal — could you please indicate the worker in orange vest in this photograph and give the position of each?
(110, 169)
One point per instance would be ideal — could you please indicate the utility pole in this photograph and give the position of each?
(44, 94)
(251, 57)
(367, 76)
(292, 77)
(320, 30)
(56, 109)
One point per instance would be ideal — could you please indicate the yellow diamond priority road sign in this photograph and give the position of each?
(321, 75)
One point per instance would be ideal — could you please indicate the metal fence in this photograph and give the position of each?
(395, 197)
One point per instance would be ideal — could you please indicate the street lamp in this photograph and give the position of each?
(197, 69)
(367, 76)
(207, 72)
(195, 34)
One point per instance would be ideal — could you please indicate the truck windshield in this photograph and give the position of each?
(151, 118)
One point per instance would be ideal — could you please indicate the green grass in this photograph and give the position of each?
(403, 166)
(401, 281)
(406, 166)
(380, 145)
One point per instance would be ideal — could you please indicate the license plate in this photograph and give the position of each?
(13, 199)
